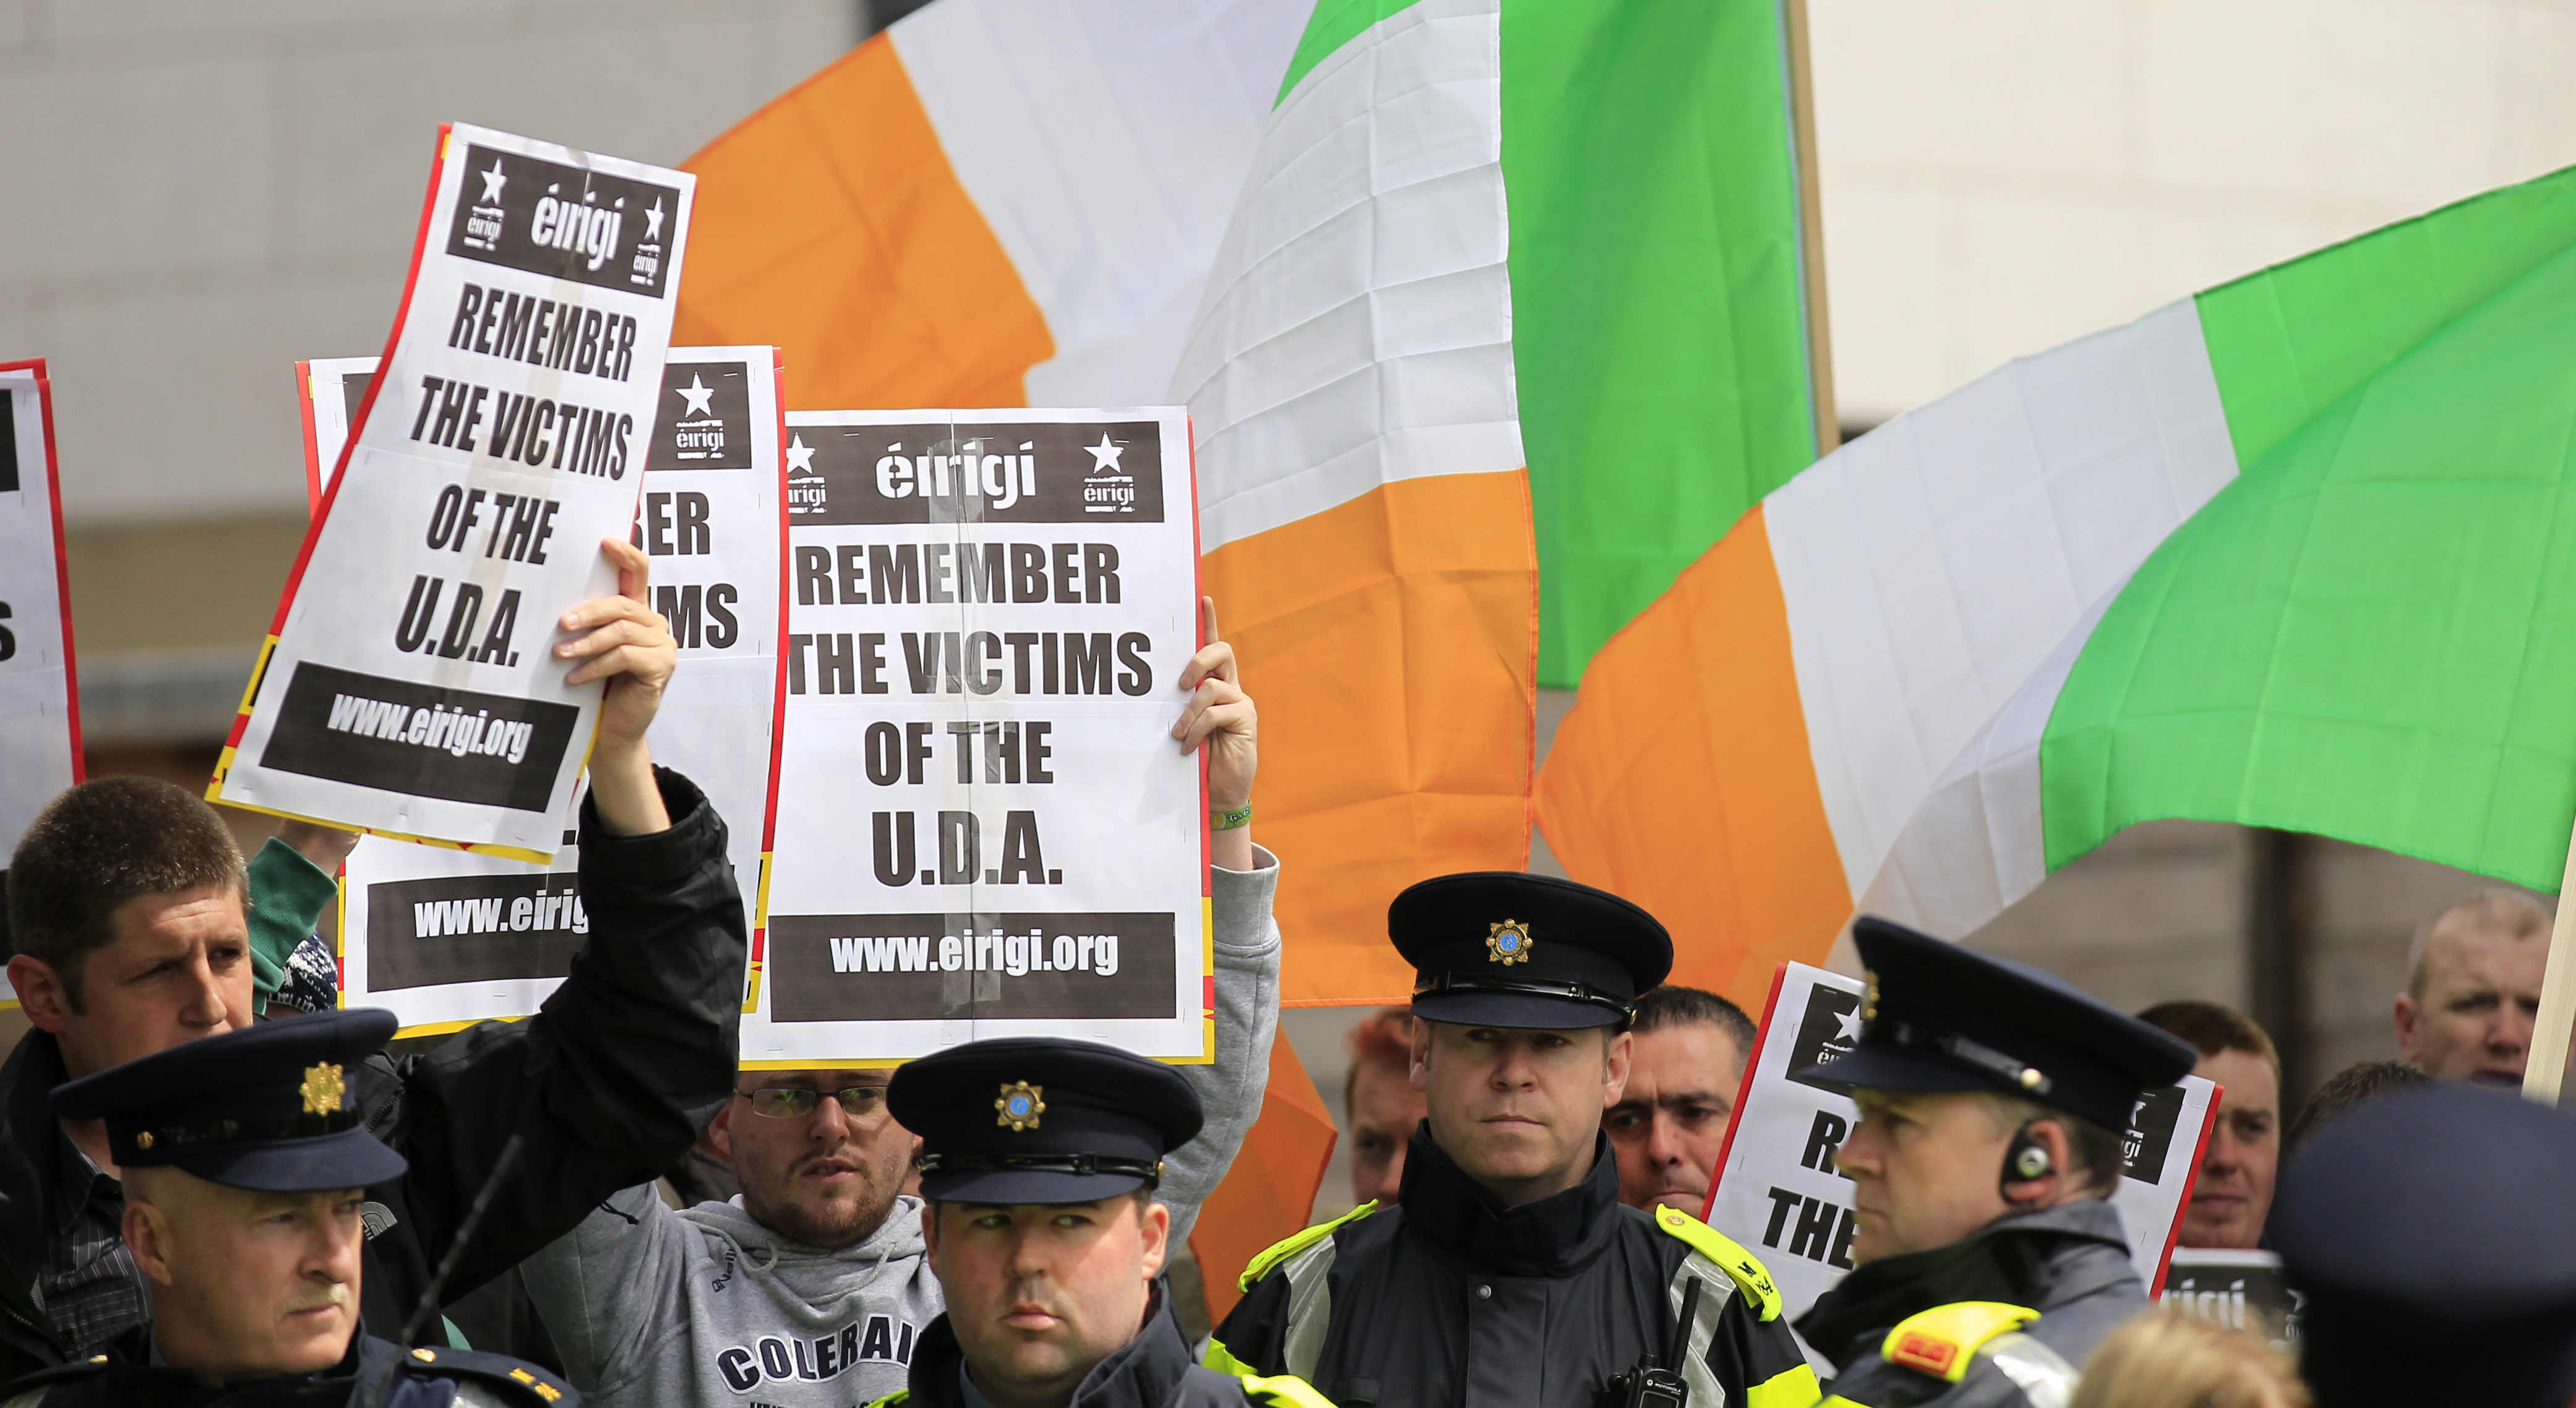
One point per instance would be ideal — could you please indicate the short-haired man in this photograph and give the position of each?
(1039, 1158)
(2233, 1192)
(126, 905)
(1381, 1106)
(1992, 1096)
(2354, 1085)
(814, 1286)
(1509, 1272)
(2473, 988)
(246, 1166)
(1684, 1068)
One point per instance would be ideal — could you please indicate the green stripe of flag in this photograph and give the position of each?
(2371, 633)
(1334, 24)
(1659, 324)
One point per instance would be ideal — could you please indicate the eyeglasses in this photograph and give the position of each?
(795, 1102)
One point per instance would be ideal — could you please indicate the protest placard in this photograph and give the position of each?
(40, 743)
(2242, 1290)
(1777, 1190)
(985, 827)
(408, 686)
(444, 937)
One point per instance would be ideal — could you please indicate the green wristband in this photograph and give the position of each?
(1234, 820)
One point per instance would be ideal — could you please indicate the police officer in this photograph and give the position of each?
(1509, 1272)
(245, 1163)
(2430, 1235)
(1039, 1160)
(1993, 1098)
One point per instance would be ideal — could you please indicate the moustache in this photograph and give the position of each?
(337, 1298)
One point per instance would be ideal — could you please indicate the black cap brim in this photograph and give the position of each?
(1468, 1008)
(350, 1158)
(1010, 1187)
(1878, 1068)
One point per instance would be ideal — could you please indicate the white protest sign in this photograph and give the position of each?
(985, 827)
(2241, 1290)
(409, 686)
(446, 938)
(1777, 1191)
(40, 744)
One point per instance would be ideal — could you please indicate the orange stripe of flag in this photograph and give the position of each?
(1682, 779)
(1391, 641)
(831, 224)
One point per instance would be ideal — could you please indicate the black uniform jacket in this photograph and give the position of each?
(1154, 1370)
(1451, 1300)
(2069, 1263)
(449, 1379)
(610, 1082)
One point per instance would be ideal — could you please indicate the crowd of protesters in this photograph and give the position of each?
(215, 1186)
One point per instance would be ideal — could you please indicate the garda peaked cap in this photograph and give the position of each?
(1940, 1016)
(1499, 948)
(272, 1107)
(2429, 1232)
(1041, 1120)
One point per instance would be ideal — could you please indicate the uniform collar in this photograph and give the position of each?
(1143, 1373)
(2018, 1260)
(1553, 1236)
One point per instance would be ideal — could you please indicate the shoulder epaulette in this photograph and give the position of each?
(525, 1381)
(1283, 1390)
(1944, 1340)
(1742, 1267)
(1280, 1251)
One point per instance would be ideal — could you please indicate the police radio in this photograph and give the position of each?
(1657, 1382)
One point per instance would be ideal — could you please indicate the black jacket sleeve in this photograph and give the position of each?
(612, 1079)
(1253, 1339)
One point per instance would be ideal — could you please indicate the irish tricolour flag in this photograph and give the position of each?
(2299, 552)
(1491, 315)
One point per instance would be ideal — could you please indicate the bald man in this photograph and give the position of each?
(2473, 989)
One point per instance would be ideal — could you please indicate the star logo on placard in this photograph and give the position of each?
(800, 456)
(1847, 1026)
(493, 180)
(1104, 456)
(653, 220)
(699, 395)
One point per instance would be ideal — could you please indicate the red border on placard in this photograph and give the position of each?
(312, 435)
(357, 423)
(1752, 1063)
(778, 691)
(2182, 1209)
(62, 562)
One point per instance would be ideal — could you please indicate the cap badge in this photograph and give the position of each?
(1869, 999)
(323, 1089)
(1508, 942)
(1020, 1105)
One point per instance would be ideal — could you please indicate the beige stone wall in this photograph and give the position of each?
(200, 193)
(2000, 176)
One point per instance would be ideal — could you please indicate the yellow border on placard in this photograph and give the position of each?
(1207, 1017)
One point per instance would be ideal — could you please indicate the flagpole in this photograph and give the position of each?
(1811, 228)
(2546, 1064)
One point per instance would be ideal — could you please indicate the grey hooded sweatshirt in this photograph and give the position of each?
(708, 1308)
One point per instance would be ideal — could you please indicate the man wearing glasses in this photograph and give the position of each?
(813, 1286)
